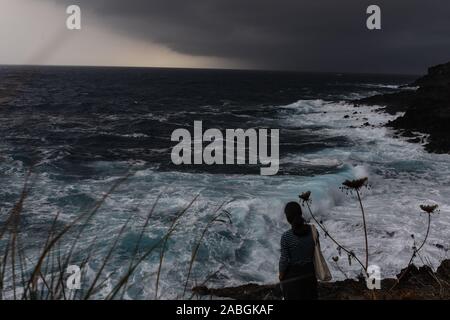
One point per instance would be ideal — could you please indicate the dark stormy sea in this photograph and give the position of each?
(84, 128)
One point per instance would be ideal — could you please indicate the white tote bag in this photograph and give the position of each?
(320, 265)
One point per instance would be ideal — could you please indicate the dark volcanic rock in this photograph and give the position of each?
(414, 283)
(437, 76)
(444, 270)
(394, 102)
(427, 109)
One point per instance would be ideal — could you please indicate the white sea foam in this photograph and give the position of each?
(402, 176)
(380, 85)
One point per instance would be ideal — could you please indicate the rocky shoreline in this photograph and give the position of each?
(427, 108)
(415, 284)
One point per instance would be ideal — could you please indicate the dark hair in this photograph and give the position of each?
(294, 216)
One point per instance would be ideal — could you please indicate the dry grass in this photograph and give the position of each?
(43, 275)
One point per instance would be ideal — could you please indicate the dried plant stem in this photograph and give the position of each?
(105, 261)
(124, 280)
(415, 253)
(44, 283)
(13, 223)
(138, 242)
(340, 269)
(164, 247)
(23, 265)
(199, 242)
(14, 216)
(13, 262)
(3, 269)
(85, 223)
(333, 239)
(365, 229)
(208, 278)
(55, 239)
(61, 272)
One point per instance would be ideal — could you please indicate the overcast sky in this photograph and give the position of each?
(314, 35)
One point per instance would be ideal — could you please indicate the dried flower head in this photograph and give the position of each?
(356, 184)
(305, 196)
(429, 208)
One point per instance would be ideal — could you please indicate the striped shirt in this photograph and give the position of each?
(296, 250)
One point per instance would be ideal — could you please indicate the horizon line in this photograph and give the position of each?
(206, 68)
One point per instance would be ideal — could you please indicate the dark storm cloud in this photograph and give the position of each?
(319, 35)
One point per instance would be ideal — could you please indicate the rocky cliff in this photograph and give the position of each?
(427, 109)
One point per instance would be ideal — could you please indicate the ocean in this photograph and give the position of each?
(82, 128)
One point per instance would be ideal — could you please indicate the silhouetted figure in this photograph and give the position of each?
(297, 273)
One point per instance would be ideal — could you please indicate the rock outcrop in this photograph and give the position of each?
(414, 284)
(427, 109)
